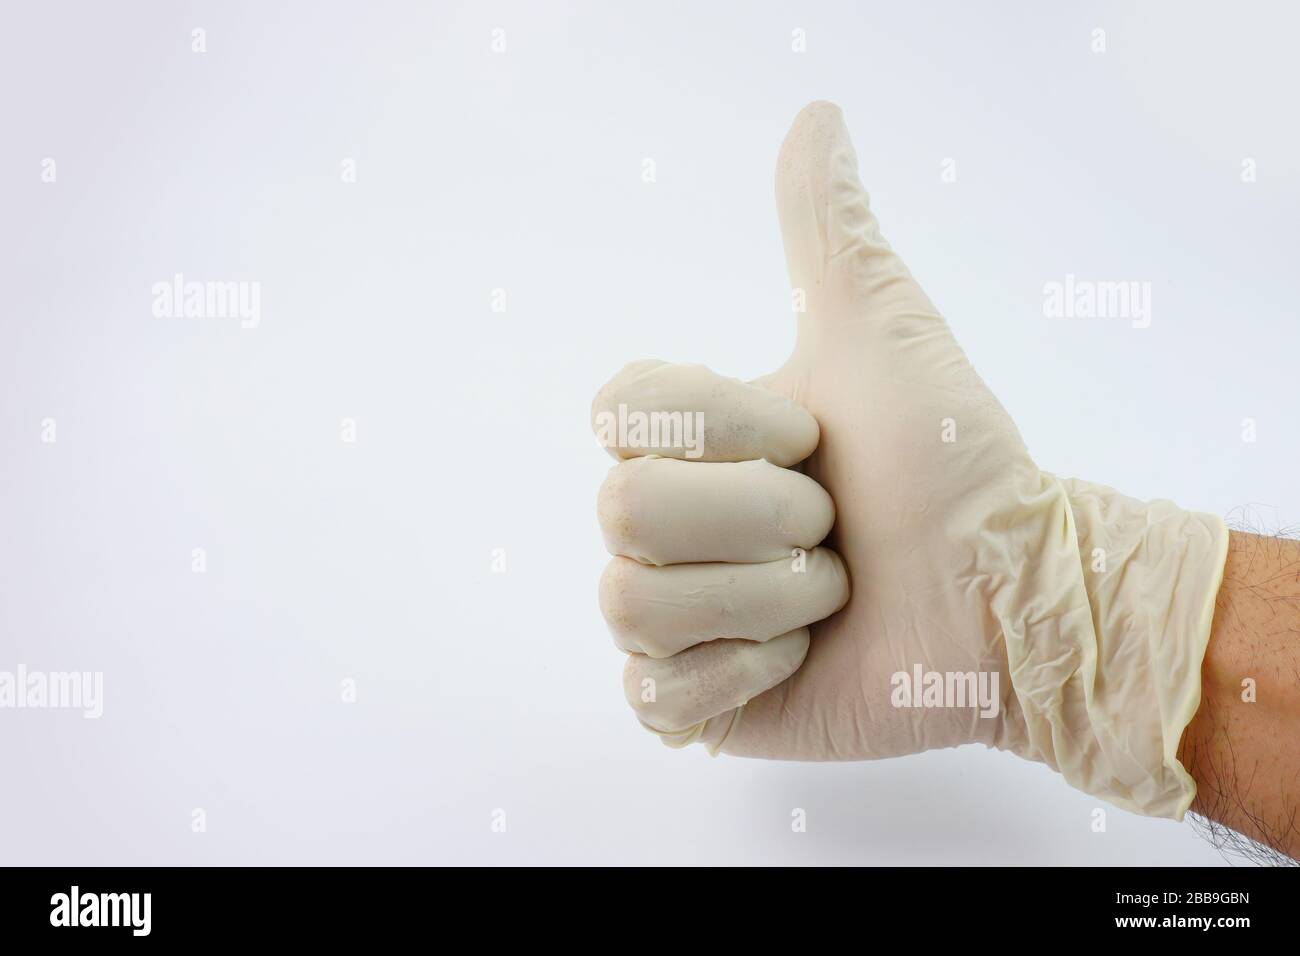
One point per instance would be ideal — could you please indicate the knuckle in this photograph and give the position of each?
(621, 390)
(616, 506)
(640, 686)
(618, 604)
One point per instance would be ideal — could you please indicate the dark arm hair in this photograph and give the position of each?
(1243, 745)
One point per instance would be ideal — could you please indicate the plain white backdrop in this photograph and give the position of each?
(522, 170)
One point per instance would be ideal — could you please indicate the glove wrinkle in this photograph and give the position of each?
(1106, 694)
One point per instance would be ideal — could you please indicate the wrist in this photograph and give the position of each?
(1107, 663)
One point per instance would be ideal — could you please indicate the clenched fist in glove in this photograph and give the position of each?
(868, 515)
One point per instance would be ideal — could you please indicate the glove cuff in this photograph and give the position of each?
(1105, 652)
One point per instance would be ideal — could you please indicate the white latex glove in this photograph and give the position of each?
(1093, 610)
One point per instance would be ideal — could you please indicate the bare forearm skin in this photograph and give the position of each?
(1243, 745)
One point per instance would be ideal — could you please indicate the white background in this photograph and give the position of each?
(522, 170)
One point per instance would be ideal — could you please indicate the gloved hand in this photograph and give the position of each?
(1087, 611)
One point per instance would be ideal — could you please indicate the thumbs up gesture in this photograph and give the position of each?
(856, 556)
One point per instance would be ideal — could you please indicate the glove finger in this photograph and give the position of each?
(673, 695)
(692, 412)
(833, 244)
(665, 511)
(662, 611)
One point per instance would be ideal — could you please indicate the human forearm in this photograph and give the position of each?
(1243, 746)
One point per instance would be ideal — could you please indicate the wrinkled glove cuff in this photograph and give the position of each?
(1106, 631)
